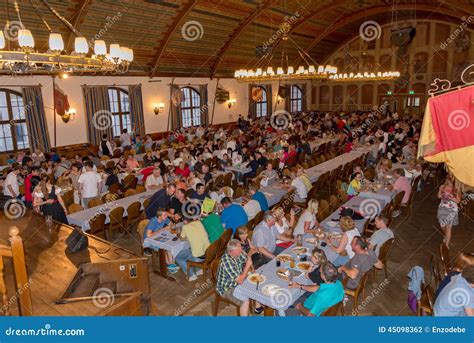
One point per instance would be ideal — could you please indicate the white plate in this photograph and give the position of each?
(332, 224)
(262, 278)
(271, 289)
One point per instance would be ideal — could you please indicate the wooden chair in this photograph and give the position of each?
(425, 304)
(114, 188)
(74, 208)
(141, 231)
(333, 202)
(223, 240)
(116, 222)
(444, 256)
(217, 297)
(469, 211)
(396, 202)
(211, 253)
(333, 310)
(354, 293)
(436, 274)
(409, 205)
(258, 218)
(133, 215)
(383, 253)
(97, 224)
(94, 203)
(146, 203)
(130, 192)
(68, 198)
(140, 189)
(130, 182)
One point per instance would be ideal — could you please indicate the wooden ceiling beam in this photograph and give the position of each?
(188, 7)
(77, 19)
(244, 24)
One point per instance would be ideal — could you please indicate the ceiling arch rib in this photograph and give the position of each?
(237, 32)
(188, 7)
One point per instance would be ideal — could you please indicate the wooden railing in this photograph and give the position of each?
(22, 287)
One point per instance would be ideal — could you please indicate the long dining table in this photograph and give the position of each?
(285, 297)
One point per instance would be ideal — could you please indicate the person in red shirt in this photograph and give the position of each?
(182, 170)
(35, 171)
(349, 145)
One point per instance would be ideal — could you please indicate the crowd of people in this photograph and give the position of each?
(262, 153)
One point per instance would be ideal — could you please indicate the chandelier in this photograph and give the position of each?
(25, 59)
(264, 70)
(366, 76)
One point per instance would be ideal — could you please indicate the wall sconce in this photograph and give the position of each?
(279, 98)
(231, 103)
(158, 108)
(70, 115)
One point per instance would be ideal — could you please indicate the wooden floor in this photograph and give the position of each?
(416, 239)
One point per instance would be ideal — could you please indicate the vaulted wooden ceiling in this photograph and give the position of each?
(223, 34)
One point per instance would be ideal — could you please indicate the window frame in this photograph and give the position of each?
(193, 118)
(297, 100)
(11, 120)
(260, 104)
(121, 114)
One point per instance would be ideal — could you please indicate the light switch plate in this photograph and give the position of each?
(122, 268)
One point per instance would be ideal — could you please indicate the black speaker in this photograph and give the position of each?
(282, 92)
(77, 241)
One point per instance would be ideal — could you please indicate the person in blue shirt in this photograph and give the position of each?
(457, 297)
(161, 222)
(233, 215)
(324, 296)
(259, 196)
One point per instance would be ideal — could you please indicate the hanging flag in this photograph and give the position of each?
(61, 103)
(447, 133)
(257, 94)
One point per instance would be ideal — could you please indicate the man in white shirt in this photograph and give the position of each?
(125, 139)
(155, 180)
(89, 184)
(251, 207)
(301, 191)
(11, 188)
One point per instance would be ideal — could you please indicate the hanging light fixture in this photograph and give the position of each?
(57, 60)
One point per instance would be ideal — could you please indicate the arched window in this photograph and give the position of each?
(296, 99)
(190, 107)
(13, 131)
(120, 109)
(261, 105)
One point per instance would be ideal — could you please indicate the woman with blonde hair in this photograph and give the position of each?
(307, 221)
(343, 247)
(463, 260)
(448, 211)
(284, 226)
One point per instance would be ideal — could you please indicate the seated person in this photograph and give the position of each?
(198, 239)
(382, 235)
(251, 207)
(132, 163)
(200, 193)
(265, 237)
(463, 260)
(155, 180)
(160, 223)
(182, 170)
(401, 184)
(233, 270)
(242, 235)
(462, 285)
(362, 261)
(355, 186)
(344, 246)
(233, 215)
(325, 295)
(269, 174)
(259, 196)
(307, 220)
